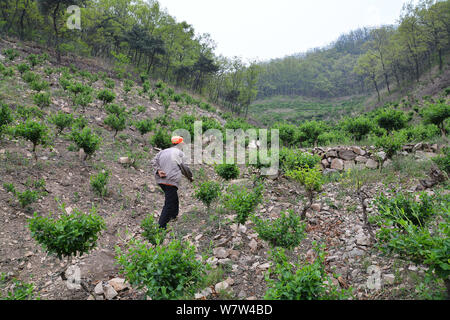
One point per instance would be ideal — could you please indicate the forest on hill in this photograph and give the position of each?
(365, 60)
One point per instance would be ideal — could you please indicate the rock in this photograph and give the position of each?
(99, 288)
(81, 154)
(349, 165)
(329, 171)
(347, 154)
(381, 155)
(221, 286)
(355, 253)
(316, 207)
(358, 151)
(69, 210)
(361, 159)
(110, 293)
(418, 146)
(220, 252)
(337, 164)
(2, 151)
(387, 163)
(118, 284)
(422, 156)
(325, 163)
(264, 266)
(388, 278)
(371, 164)
(124, 160)
(332, 154)
(362, 240)
(253, 245)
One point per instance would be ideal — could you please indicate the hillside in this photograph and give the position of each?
(239, 256)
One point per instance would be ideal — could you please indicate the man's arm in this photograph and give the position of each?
(185, 170)
(156, 165)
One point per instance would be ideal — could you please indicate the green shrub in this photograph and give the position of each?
(145, 126)
(80, 123)
(30, 76)
(36, 59)
(78, 87)
(42, 99)
(177, 98)
(311, 179)
(99, 181)
(152, 231)
(391, 119)
(65, 83)
(33, 131)
(242, 201)
(29, 112)
(6, 117)
(207, 192)
(308, 133)
(39, 85)
(287, 231)
(86, 140)
(115, 109)
(61, 120)
(303, 281)
(11, 53)
(286, 132)
(23, 67)
(109, 83)
(443, 160)
(128, 85)
(391, 144)
(20, 291)
(419, 133)
(358, 128)
(161, 139)
(106, 96)
(160, 84)
(167, 272)
(437, 114)
(291, 159)
(116, 122)
(27, 197)
(70, 235)
(227, 171)
(402, 206)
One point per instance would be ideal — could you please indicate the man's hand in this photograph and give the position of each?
(162, 174)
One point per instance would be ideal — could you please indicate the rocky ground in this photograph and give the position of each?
(237, 252)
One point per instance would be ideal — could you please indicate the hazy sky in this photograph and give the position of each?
(265, 29)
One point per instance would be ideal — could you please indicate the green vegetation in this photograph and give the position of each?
(207, 192)
(99, 182)
(303, 281)
(227, 171)
(242, 201)
(70, 235)
(152, 231)
(287, 231)
(167, 272)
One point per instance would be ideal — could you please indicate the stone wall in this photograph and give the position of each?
(336, 159)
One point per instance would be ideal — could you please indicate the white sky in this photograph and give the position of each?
(265, 29)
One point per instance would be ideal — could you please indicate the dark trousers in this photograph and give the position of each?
(171, 205)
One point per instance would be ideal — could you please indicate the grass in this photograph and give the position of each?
(299, 109)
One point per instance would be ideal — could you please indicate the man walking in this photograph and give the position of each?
(169, 165)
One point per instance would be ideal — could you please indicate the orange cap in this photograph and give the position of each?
(177, 140)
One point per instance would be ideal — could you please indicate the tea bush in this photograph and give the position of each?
(161, 139)
(402, 206)
(23, 67)
(242, 201)
(167, 272)
(61, 120)
(11, 53)
(106, 96)
(303, 281)
(442, 161)
(99, 182)
(86, 140)
(291, 159)
(70, 235)
(35, 132)
(6, 117)
(287, 231)
(145, 126)
(207, 192)
(152, 231)
(42, 99)
(227, 171)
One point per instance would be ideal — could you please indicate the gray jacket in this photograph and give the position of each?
(172, 162)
